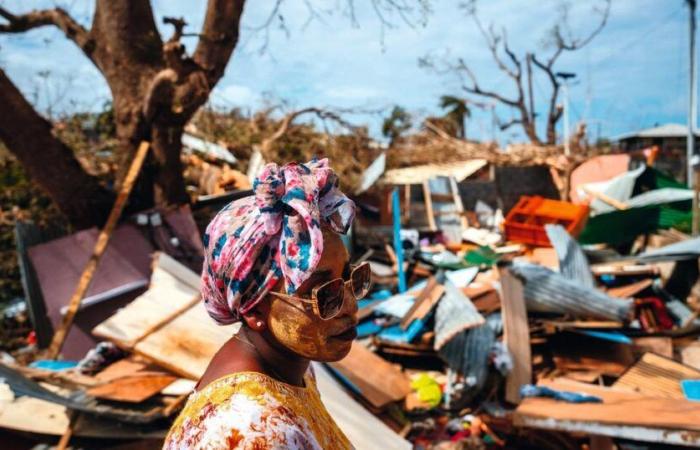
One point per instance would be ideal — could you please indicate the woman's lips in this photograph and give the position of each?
(347, 335)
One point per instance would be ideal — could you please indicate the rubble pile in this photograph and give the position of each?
(493, 322)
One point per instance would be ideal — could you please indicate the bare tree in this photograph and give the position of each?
(518, 68)
(287, 121)
(156, 88)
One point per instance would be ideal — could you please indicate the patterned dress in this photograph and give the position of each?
(252, 411)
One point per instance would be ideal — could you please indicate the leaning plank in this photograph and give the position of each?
(376, 380)
(516, 334)
(100, 247)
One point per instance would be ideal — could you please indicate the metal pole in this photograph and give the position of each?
(565, 88)
(398, 247)
(692, 119)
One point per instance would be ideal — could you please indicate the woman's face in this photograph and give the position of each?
(298, 329)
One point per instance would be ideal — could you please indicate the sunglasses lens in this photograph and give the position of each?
(330, 298)
(361, 280)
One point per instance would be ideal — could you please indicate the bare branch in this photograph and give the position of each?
(218, 37)
(287, 121)
(476, 89)
(569, 43)
(38, 18)
(505, 125)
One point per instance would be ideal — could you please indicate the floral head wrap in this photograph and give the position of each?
(254, 242)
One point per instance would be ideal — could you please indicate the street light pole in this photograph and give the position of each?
(567, 149)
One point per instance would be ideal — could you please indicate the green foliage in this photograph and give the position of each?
(19, 199)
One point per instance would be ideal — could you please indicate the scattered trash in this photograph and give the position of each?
(480, 332)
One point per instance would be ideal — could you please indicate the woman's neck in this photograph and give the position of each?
(279, 363)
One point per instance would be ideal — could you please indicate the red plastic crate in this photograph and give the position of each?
(525, 222)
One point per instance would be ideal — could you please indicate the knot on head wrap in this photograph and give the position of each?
(254, 242)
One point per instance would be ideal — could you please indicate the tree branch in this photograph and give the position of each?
(218, 38)
(575, 44)
(55, 17)
(287, 121)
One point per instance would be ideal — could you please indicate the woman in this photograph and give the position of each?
(276, 263)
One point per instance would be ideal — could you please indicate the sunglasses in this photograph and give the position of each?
(328, 299)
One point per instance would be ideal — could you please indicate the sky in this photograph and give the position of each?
(633, 75)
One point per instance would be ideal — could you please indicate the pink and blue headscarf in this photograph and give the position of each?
(254, 242)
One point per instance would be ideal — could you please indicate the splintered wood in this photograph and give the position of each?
(168, 324)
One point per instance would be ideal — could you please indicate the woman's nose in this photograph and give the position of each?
(350, 304)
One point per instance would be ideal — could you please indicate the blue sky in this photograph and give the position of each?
(633, 75)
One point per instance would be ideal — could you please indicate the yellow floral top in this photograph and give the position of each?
(252, 411)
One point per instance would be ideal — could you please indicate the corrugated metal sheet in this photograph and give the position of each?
(688, 249)
(468, 354)
(549, 291)
(572, 261)
(455, 313)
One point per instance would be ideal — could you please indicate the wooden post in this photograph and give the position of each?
(100, 247)
(458, 203)
(516, 334)
(428, 198)
(68, 433)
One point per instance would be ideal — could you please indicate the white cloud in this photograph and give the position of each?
(235, 95)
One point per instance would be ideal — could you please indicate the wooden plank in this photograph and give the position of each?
(170, 292)
(656, 376)
(377, 381)
(427, 198)
(186, 344)
(132, 389)
(660, 345)
(427, 299)
(516, 334)
(100, 247)
(690, 355)
(630, 290)
(618, 408)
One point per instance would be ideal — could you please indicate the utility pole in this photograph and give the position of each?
(692, 118)
(565, 76)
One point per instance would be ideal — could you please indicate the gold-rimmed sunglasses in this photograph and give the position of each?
(327, 299)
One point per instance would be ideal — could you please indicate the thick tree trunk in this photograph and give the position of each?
(168, 180)
(49, 162)
(156, 87)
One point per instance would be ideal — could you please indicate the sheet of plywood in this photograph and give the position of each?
(618, 407)
(168, 325)
(187, 343)
(516, 334)
(656, 376)
(132, 389)
(173, 287)
(376, 380)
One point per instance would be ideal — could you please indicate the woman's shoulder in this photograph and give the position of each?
(240, 409)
